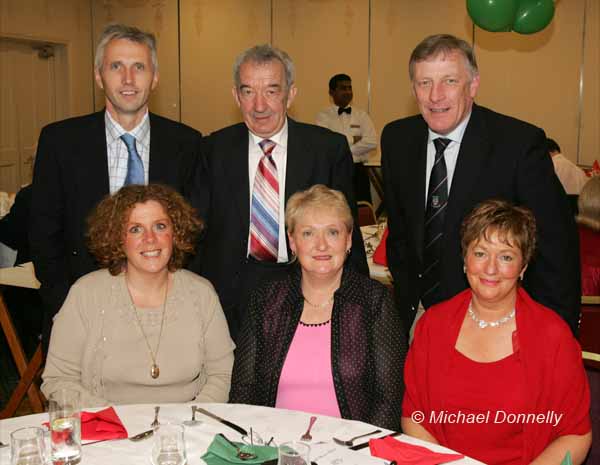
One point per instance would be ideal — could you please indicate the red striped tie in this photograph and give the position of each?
(264, 218)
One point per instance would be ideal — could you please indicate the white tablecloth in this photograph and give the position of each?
(284, 425)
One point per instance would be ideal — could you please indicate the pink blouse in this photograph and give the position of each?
(306, 381)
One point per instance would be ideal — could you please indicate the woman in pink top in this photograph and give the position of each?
(322, 338)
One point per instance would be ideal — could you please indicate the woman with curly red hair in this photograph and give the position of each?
(122, 330)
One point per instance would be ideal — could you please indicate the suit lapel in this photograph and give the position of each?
(299, 161)
(474, 150)
(235, 167)
(94, 177)
(417, 164)
(159, 152)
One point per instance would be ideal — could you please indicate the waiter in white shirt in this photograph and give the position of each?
(356, 125)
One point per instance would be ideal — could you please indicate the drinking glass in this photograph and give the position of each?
(294, 453)
(64, 408)
(27, 447)
(169, 445)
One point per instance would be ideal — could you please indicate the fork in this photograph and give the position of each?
(350, 442)
(155, 423)
(240, 453)
(307, 436)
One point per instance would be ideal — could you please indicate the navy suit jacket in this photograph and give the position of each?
(71, 177)
(502, 158)
(315, 155)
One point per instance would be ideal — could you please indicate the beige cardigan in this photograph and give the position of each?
(97, 346)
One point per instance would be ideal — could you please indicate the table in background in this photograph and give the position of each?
(283, 425)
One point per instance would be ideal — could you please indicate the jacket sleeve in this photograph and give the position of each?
(389, 351)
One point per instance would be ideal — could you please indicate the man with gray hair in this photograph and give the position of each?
(438, 165)
(247, 173)
(81, 160)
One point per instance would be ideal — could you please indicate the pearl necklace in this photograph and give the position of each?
(493, 324)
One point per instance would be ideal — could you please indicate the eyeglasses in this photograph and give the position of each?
(255, 439)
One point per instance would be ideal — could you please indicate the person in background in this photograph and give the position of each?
(441, 163)
(494, 353)
(141, 329)
(569, 174)
(247, 173)
(322, 337)
(356, 125)
(588, 222)
(80, 160)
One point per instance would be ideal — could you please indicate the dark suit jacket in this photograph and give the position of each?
(71, 177)
(500, 157)
(221, 194)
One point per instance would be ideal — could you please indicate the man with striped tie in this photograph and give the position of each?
(247, 173)
(80, 160)
(438, 165)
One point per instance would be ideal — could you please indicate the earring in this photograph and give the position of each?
(348, 252)
(464, 269)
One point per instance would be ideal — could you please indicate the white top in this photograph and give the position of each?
(279, 155)
(570, 175)
(117, 153)
(356, 126)
(450, 154)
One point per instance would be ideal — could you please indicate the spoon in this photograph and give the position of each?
(193, 421)
(240, 453)
(307, 436)
(350, 442)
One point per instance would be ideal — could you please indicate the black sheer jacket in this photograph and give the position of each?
(368, 347)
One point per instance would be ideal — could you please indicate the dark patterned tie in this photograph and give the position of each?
(437, 199)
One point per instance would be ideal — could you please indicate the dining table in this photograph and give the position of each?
(279, 424)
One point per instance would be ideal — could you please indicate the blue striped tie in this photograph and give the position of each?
(135, 167)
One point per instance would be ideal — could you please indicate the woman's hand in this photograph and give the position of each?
(416, 430)
(578, 445)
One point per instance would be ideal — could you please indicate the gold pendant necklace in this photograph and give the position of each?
(154, 369)
(321, 305)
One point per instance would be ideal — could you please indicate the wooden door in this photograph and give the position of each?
(27, 103)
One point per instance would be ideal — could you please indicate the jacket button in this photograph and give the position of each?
(420, 275)
(74, 253)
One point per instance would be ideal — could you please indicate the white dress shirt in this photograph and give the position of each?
(570, 175)
(358, 125)
(117, 153)
(450, 154)
(279, 155)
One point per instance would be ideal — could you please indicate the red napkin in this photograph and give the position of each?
(101, 425)
(596, 168)
(408, 454)
(380, 256)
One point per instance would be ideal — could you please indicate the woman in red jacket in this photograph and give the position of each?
(492, 373)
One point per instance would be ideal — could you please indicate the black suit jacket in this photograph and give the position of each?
(222, 196)
(71, 177)
(500, 157)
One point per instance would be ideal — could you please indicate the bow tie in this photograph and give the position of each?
(345, 110)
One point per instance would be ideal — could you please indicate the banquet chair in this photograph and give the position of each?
(366, 213)
(29, 370)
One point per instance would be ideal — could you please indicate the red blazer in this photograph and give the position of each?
(551, 360)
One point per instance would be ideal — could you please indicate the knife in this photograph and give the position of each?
(362, 445)
(233, 426)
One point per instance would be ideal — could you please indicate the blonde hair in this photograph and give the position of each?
(589, 204)
(317, 197)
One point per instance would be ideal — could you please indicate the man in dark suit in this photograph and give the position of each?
(81, 160)
(238, 250)
(438, 165)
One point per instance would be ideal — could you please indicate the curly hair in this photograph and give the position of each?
(106, 225)
(515, 226)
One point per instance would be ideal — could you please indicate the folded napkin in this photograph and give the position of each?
(567, 460)
(408, 454)
(101, 425)
(380, 256)
(220, 452)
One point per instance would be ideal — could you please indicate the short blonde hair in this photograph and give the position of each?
(317, 197)
(514, 225)
(589, 204)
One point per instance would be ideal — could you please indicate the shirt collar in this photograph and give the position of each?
(141, 132)
(280, 137)
(456, 134)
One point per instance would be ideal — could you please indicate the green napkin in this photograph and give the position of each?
(567, 460)
(221, 453)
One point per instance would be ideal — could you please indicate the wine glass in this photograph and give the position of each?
(294, 453)
(169, 445)
(28, 447)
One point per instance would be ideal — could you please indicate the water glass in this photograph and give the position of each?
(294, 453)
(64, 408)
(28, 447)
(169, 445)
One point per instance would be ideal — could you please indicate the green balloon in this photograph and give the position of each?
(493, 15)
(533, 16)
